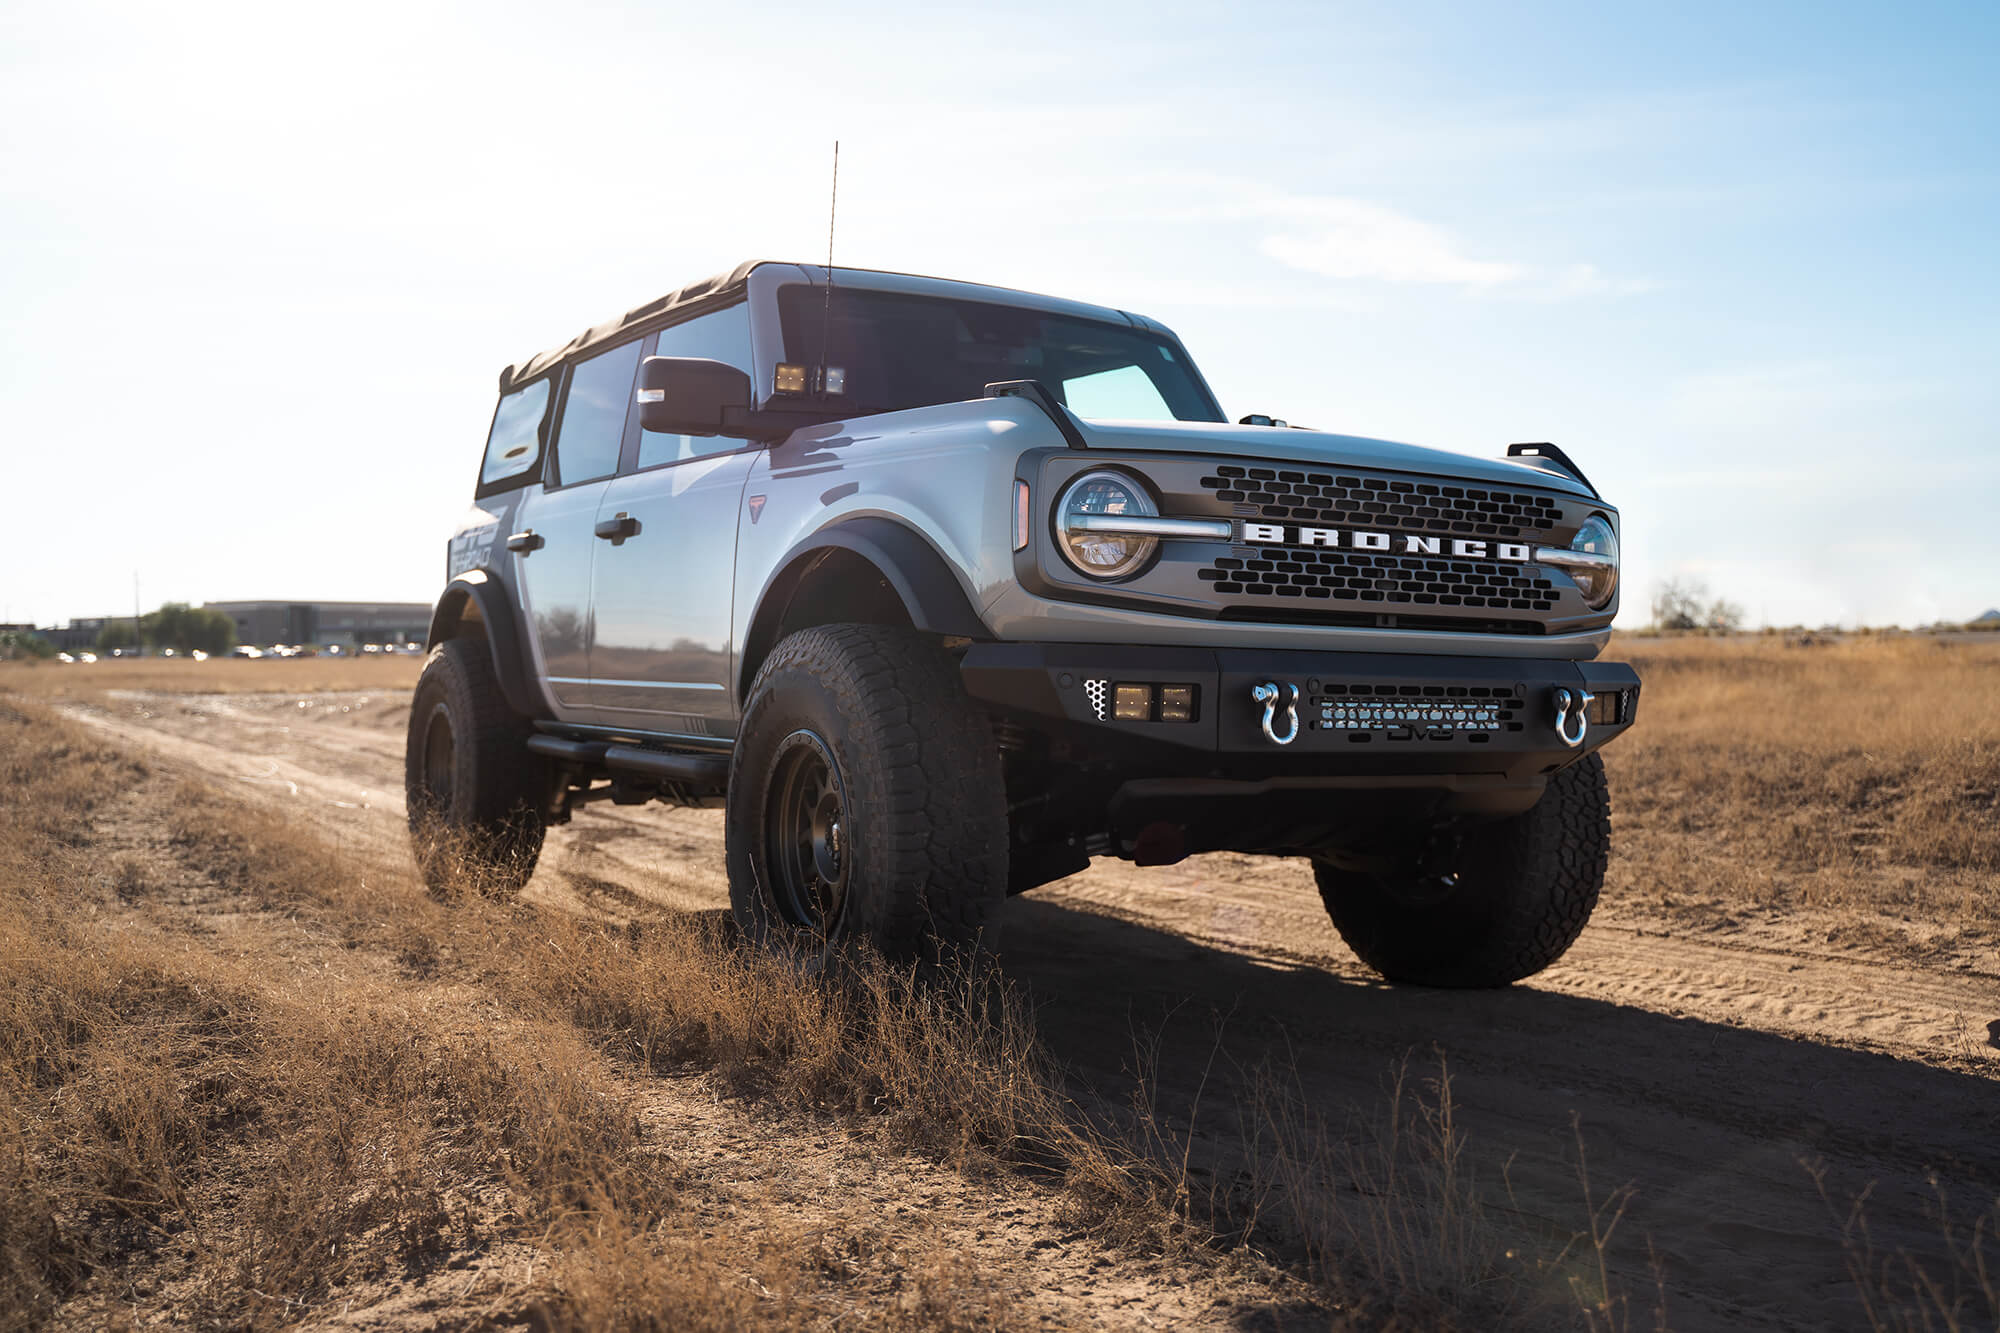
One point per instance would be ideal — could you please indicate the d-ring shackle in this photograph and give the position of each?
(1566, 698)
(1268, 695)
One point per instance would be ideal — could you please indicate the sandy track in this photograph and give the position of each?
(1704, 1071)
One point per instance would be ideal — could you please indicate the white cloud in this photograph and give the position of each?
(1362, 240)
(1585, 280)
(1352, 239)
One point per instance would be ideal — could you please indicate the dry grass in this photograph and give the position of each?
(1859, 775)
(1953, 1289)
(56, 680)
(252, 1144)
(242, 1138)
(254, 1139)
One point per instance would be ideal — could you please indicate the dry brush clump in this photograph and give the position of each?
(1953, 1289)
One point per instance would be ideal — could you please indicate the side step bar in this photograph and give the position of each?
(709, 770)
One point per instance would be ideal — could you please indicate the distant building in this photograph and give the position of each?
(81, 635)
(324, 623)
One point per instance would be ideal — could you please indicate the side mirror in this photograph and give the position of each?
(690, 395)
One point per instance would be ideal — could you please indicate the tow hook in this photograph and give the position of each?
(1268, 695)
(1566, 699)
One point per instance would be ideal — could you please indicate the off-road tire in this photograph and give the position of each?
(1525, 887)
(920, 839)
(476, 810)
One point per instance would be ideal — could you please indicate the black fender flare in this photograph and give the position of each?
(483, 589)
(920, 577)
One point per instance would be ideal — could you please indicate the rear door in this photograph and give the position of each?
(662, 657)
(553, 560)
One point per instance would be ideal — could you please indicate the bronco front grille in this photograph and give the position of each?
(1358, 576)
(1332, 498)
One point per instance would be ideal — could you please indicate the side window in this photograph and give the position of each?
(514, 447)
(723, 336)
(593, 415)
(1125, 393)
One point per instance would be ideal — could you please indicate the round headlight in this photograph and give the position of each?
(1087, 515)
(1597, 579)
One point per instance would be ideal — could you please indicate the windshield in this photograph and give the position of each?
(899, 351)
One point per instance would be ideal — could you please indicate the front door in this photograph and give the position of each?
(662, 590)
(662, 656)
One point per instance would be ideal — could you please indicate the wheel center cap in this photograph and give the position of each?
(827, 844)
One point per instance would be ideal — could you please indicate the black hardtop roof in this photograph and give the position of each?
(710, 291)
(731, 286)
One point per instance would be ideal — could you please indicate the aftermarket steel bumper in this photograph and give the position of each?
(1356, 715)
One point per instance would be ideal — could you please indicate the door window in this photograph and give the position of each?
(593, 415)
(722, 336)
(514, 445)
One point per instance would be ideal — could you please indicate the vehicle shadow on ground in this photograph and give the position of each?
(1712, 1124)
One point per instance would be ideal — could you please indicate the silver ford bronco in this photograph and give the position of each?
(941, 590)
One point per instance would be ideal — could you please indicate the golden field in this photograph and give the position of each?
(250, 1075)
(1861, 775)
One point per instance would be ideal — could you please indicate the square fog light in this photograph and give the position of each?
(1133, 703)
(1176, 703)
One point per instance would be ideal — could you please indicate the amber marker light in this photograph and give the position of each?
(1020, 515)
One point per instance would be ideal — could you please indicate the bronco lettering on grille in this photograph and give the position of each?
(1276, 534)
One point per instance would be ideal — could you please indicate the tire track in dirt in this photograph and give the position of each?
(1703, 1072)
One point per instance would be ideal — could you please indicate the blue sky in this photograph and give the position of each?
(263, 263)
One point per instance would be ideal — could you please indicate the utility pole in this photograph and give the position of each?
(138, 644)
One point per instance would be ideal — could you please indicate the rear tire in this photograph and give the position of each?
(1511, 900)
(866, 804)
(475, 794)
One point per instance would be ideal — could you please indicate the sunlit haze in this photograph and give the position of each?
(265, 262)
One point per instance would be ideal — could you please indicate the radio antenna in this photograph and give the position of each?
(826, 309)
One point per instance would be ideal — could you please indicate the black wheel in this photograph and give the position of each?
(474, 792)
(1502, 904)
(865, 801)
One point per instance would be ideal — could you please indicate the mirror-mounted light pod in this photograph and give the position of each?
(790, 378)
(689, 395)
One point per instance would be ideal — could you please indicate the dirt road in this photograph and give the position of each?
(1705, 1072)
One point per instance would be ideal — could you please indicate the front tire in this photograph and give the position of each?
(474, 792)
(866, 804)
(1509, 902)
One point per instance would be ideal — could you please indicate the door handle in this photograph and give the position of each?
(616, 530)
(527, 541)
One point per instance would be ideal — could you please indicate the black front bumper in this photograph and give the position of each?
(1363, 719)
